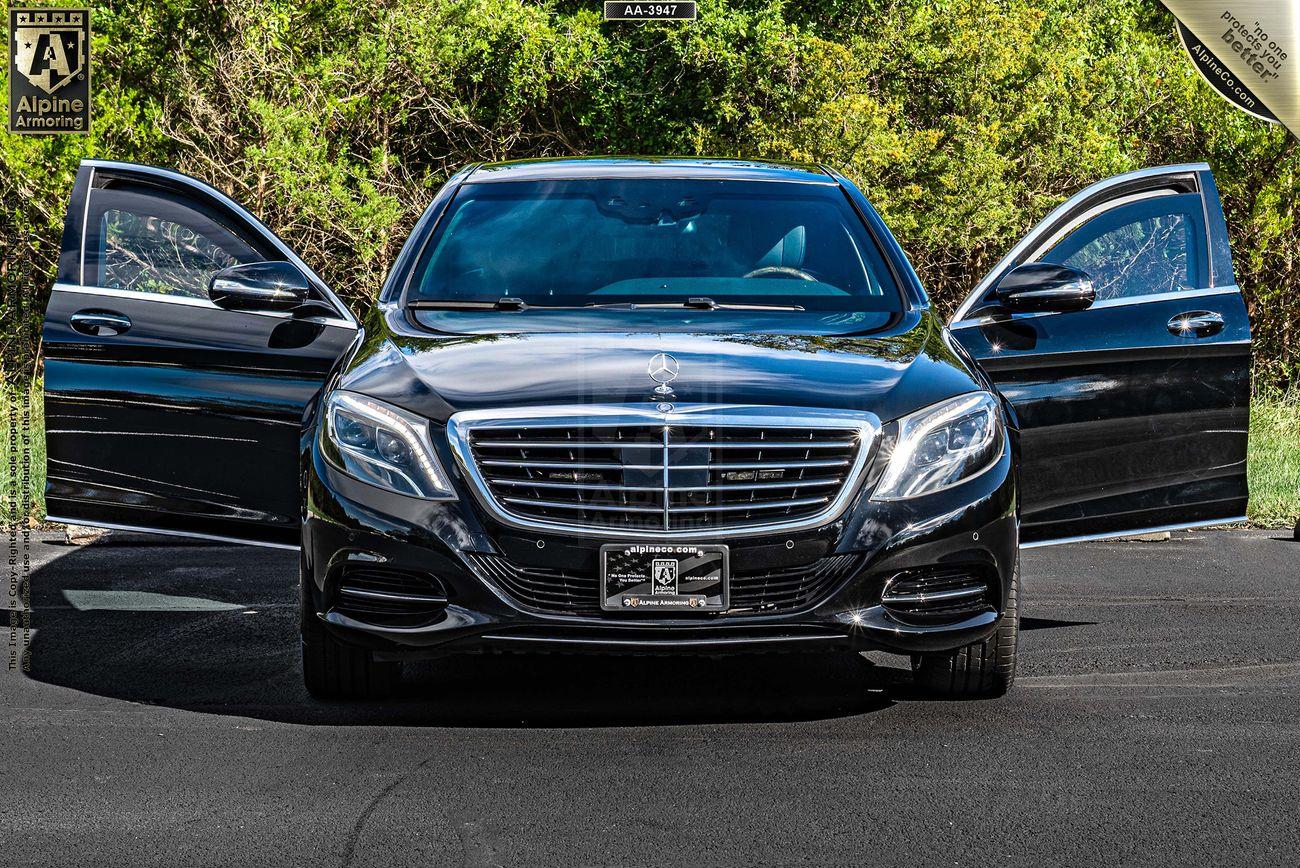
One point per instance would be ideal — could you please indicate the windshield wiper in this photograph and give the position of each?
(511, 304)
(507, 303)
(696, 303)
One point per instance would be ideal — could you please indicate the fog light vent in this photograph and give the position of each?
(938, 595)
(389, 597)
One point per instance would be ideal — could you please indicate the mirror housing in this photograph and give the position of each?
(259, 286)
(1040, 287)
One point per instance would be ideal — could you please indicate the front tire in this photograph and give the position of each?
(980, 670)
(334, 670)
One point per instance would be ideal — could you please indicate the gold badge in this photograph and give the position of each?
(49, 71)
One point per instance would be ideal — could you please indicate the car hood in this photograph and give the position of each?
(889, 374)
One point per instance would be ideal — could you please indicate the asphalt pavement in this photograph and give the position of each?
(1156, 720)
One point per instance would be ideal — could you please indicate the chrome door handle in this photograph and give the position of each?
(99, 323)
(1196, 324)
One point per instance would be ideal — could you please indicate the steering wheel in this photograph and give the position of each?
(784, 270)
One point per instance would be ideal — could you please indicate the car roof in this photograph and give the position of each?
(581, 168)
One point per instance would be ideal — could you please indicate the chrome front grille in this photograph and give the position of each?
(690, 471)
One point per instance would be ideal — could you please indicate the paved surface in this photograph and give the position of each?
(1157, 720)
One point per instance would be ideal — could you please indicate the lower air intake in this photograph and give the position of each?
(389, 597)
(757, 592)
(939, 595)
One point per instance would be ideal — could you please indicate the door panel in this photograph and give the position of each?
(1133, 413)
(164, 411)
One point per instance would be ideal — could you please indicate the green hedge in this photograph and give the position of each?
(964, 120)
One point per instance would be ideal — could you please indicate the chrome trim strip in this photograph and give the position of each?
(756, 486)
(576, 486)
(582, 465)
(876, 618)
(662, 643)
(461, 424)
(198, 186)
(388, 596)
(732, 507)
(593, 507)
(1207, 346)
(1103, 304)
(614, 444)
(666, 479)
(740, 486)
(1210, 276)
(453, 618)
(181, 533)
(753, 465)
(1127, 533)
(955, 594)
(1030, 240)
(636, 173)
(193, 301)
(85, 216)
(769, 444)
(1095, 211)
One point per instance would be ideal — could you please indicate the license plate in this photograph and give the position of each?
(663, 577)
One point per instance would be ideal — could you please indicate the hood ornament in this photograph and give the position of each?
(663, 369)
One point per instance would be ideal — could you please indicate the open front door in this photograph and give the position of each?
(1133, 411)
(164, 411)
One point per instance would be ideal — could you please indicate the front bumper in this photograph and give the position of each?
(350, 523)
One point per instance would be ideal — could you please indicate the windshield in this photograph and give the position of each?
(616, 243)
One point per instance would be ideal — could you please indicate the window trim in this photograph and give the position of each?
(1199, 269)
(1092, 214)
(193, 301)
(1099, 305)
(168, 207)
(190, 187)
(1160, 178)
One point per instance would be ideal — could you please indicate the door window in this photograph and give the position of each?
(1154, 245)
(158, 244)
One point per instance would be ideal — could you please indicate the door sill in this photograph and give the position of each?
(1135, 532)
(169, 532)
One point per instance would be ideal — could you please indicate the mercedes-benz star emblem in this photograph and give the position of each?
(663, 370)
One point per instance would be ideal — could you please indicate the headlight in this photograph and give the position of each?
(385, 446)
(942, 445)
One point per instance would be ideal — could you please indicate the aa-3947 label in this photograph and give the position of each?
(623, 11)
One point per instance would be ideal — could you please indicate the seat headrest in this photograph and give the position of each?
(788, 251)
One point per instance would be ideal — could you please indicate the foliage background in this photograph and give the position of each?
(965, 121)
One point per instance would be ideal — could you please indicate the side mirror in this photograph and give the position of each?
(270, 286)
(1044, 287)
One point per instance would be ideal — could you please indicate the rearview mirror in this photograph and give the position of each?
(268, 286)
(1044, 287)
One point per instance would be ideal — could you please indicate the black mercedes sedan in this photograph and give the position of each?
(647, 406)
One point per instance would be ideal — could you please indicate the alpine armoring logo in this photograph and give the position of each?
(49, 71)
